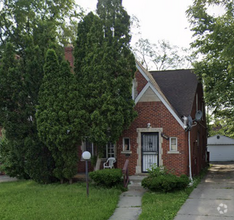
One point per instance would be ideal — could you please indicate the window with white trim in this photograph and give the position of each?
(173, 144)
(126, 144)
(109, 151)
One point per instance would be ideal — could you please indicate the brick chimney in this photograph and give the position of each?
(68, 52)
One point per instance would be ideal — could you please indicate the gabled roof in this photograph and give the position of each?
(220, 140)
(152, 83)
(179, 86)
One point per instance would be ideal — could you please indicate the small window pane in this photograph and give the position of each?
(126, 144)
(109, 151)
(173, 144)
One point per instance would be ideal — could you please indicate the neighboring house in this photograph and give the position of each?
(221, 148)
(159, 134)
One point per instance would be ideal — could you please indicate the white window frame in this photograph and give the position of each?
(124, 148)
(110, 154)
(171, 144)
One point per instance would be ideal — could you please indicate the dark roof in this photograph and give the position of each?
(179, 87)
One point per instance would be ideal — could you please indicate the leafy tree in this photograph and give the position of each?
(31, 27)
(23, 155)
(106, 69)
(162, 56)
(54, 19)
(59, 117)
(214, 41)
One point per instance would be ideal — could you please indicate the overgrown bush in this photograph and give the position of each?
(160, 179)
(107, 177)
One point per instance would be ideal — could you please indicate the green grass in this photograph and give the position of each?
(27, 200)
(164, 206)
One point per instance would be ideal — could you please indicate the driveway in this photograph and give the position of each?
(213, 199)
(5, 178)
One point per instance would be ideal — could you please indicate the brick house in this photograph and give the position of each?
(160, 134)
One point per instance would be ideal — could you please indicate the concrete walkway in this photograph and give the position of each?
(213, 199)
(5, 178)
(129, 206)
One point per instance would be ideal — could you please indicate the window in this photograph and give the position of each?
(134, 88)
(126, 144)
(173, 144)
(88, 146)
(109, 151)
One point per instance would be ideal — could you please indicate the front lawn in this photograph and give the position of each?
(164, 206)
(27, 200)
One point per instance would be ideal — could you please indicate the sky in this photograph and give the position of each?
(159, 19)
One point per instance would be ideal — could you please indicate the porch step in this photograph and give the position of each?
(135, 182)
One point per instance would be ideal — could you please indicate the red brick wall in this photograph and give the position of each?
(141, 81)
(68, 51)
(159, 117)
(199, 147)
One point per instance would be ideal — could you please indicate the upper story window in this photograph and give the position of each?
(134, 88)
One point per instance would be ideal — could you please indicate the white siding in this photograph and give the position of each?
(221, 152)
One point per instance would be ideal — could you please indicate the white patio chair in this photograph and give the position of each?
(109, 163)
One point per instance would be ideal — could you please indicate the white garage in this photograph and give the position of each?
(221, 148)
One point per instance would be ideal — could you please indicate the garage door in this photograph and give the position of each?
(221, 152)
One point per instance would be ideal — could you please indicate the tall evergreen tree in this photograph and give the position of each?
(59, 117)
(22, 152)
(106, 69)
(11, 113)
(31, 26)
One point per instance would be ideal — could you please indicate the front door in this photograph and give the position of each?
(149, 150)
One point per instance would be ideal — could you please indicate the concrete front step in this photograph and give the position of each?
(135, 182)
(137, 178)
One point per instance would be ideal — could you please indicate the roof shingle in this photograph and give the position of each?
(179, 86)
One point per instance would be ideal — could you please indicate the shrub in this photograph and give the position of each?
(107, 177)
(160, 179)
(156, 171)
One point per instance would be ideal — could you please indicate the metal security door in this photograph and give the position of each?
(149, 150)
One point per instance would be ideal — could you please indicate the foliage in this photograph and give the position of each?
(28, 200)
(104, 67)
(162, 55)
(160, 179)
(165, 183)
(52, 19)
(107, 177)
(214, 42)
(11, 112)
(59, 117)
(23, 154)
(156, 171)
(159, 205)
(31, 28)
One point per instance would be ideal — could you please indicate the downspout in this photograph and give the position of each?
(190, 166)
(187, 128)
